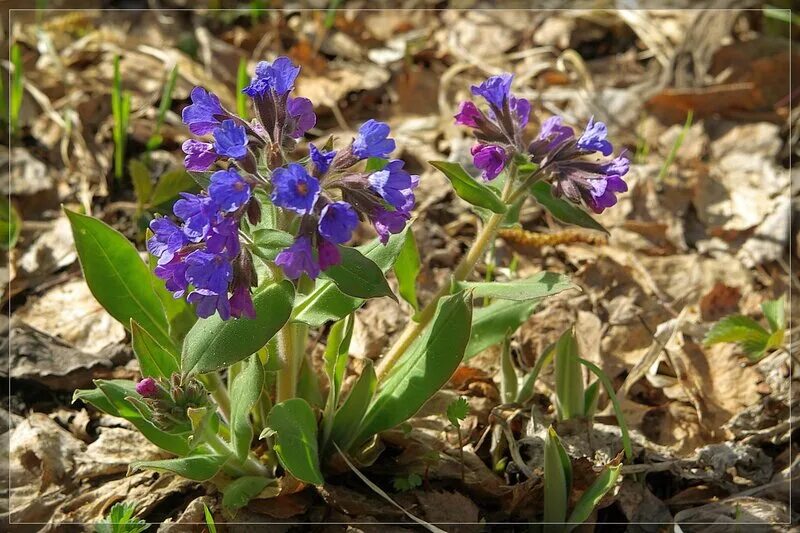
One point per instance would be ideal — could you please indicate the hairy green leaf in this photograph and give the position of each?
(359, 276)
(535, 287)
(245, 391)
(406, 268)
(492, 323)
(562, 209)
(295, 429)
(170, 184)
(349, 416)
(194, 467)
(774, 312)
(469, 189)
(154, 360)
(240, 491)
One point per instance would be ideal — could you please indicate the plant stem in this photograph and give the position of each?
(216, 387)
(414, 329)
(249, 467)
(286, 387)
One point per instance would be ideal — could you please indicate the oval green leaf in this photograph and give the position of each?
(350, 415)
(154, 360)
(194, 467)
(563, 210)
(213, 343)
(240, 491)
(406, 268)
(295, 428)
(468, 189)
(535, 287)
(359, 276)
(491, 324)
(245, 391)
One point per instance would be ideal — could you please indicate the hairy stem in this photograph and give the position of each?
(216, 387)
(286, 386)
(250, 466)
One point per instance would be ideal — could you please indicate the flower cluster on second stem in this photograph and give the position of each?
(557, 151)
(324, 198)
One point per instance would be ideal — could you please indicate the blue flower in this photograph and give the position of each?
(166, 241)
(241, 303)
(388, 222)
(174, 275)
(298, 259)
(521, 111)
(337, 221)
(200, 115)
(198, 214)
(391, 183)
(209, 271)
(372, 140)
(294, 189)
(594, 138)
(301, 113)
(199, 155)
(494, 90)
(322, 160)
(207, 302)
(229, 190)
(230, 140)
(224, 238)
(278, 76)
(490, 159)
(328, 253)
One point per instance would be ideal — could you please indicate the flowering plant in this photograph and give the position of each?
(245, 269)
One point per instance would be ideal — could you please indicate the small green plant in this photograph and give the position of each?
(120, 520)
(242, 81)
(10, 225)
(675, 147)
(16, 89)
(212, 527)
(166, 188)
(456, 412)
(406, 483)
(121, 110)
(156, 139)
(558, 487)
(753, 338)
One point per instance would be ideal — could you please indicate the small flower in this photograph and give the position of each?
(200, 115)
(337, 221)
(230, 140)
(468, 114)
(241, 304)
(167, 239)
(494, 90)
(328, 253)
(278, 76)
(388, 222)
(199, 155)
(301, 113)
(298, 259)
(372, 140)
(198, 213)
(174, 275)
(322, 160)
(148, 388)
(224, 238)
(601, 193)
(521, 110)
(229, 190)
(209, 271)
(294, 189)
(490, 159)
(208, 302)
(391, 183)
(594, 138)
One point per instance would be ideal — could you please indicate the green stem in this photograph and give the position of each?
(286, 386)
(250, 466)
(216, 387)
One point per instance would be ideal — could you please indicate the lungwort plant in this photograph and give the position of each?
(236, 283)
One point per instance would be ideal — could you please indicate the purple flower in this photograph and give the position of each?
(490, 159)
(520, 110)
(391, 183)
(209, 271)
(208, 302)
(241, 304)
(322, 160)
(594, 138)
(200, 115)
(618, 166)
(372, 140)
(468, 114)
(294, 189)
(298, 259)
(167, 239)
(601, 192)
(174, 276)
(198, 213)
(388, 222)
(277, 76)
(148, 388)
(301, 113)
(230, 140)
(328, 253)
(494, 90)
(229, 190)
(224, 238)
(555, 132)
(199, 155)
(337, 222)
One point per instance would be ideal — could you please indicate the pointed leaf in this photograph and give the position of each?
(349, 416)
(295, 428)
(154, 360)
(170, 185)
(359, 276)
(492, 323)
(269, 242)
(589, 499)
(194, 467)
(563, 210)
(535, 287)
(245, 391)
(406, 268)
(556, 484)
(240, 491)
(775, 313)
(468, 189)
(569, 380)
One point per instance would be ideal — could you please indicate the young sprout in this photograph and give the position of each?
(121, 110)
(242, 81)
(753, 338)
(156, 139)
(120, 520)
(456, 412)
(16, 90)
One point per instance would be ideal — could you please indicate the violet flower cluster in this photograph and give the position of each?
(500, 134)
(324, 198)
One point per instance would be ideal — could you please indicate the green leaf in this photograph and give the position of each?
(336, 353)
(268, 242)
(170, 184)
(562, 209)
(117, 276)
(10, 225)
(245, 391)
(590, 398)
(308, 385)
(406, 268)
(556, 479)
(349, 416)
(327, 303)
(569, 380)
(423, 369)
(535, 287)
(154, 360)
(745, 331)
(201, 177)
(142, 184)
(457, 411)
(194, 467)
(774, 312)
(375, 163)
(295, 428)
(120, 520)
(468, 189)
(358, 276)
(214, 343)
(212, 528)
(491, 324)
(589, 499)
(240, 491)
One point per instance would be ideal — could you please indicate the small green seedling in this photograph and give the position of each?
(242, 81)
(456, 412)
(120, 520)
(753, 338)
(406, 483)
(16, 91)
(156, 139)
(10, 225)
(121, 110)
